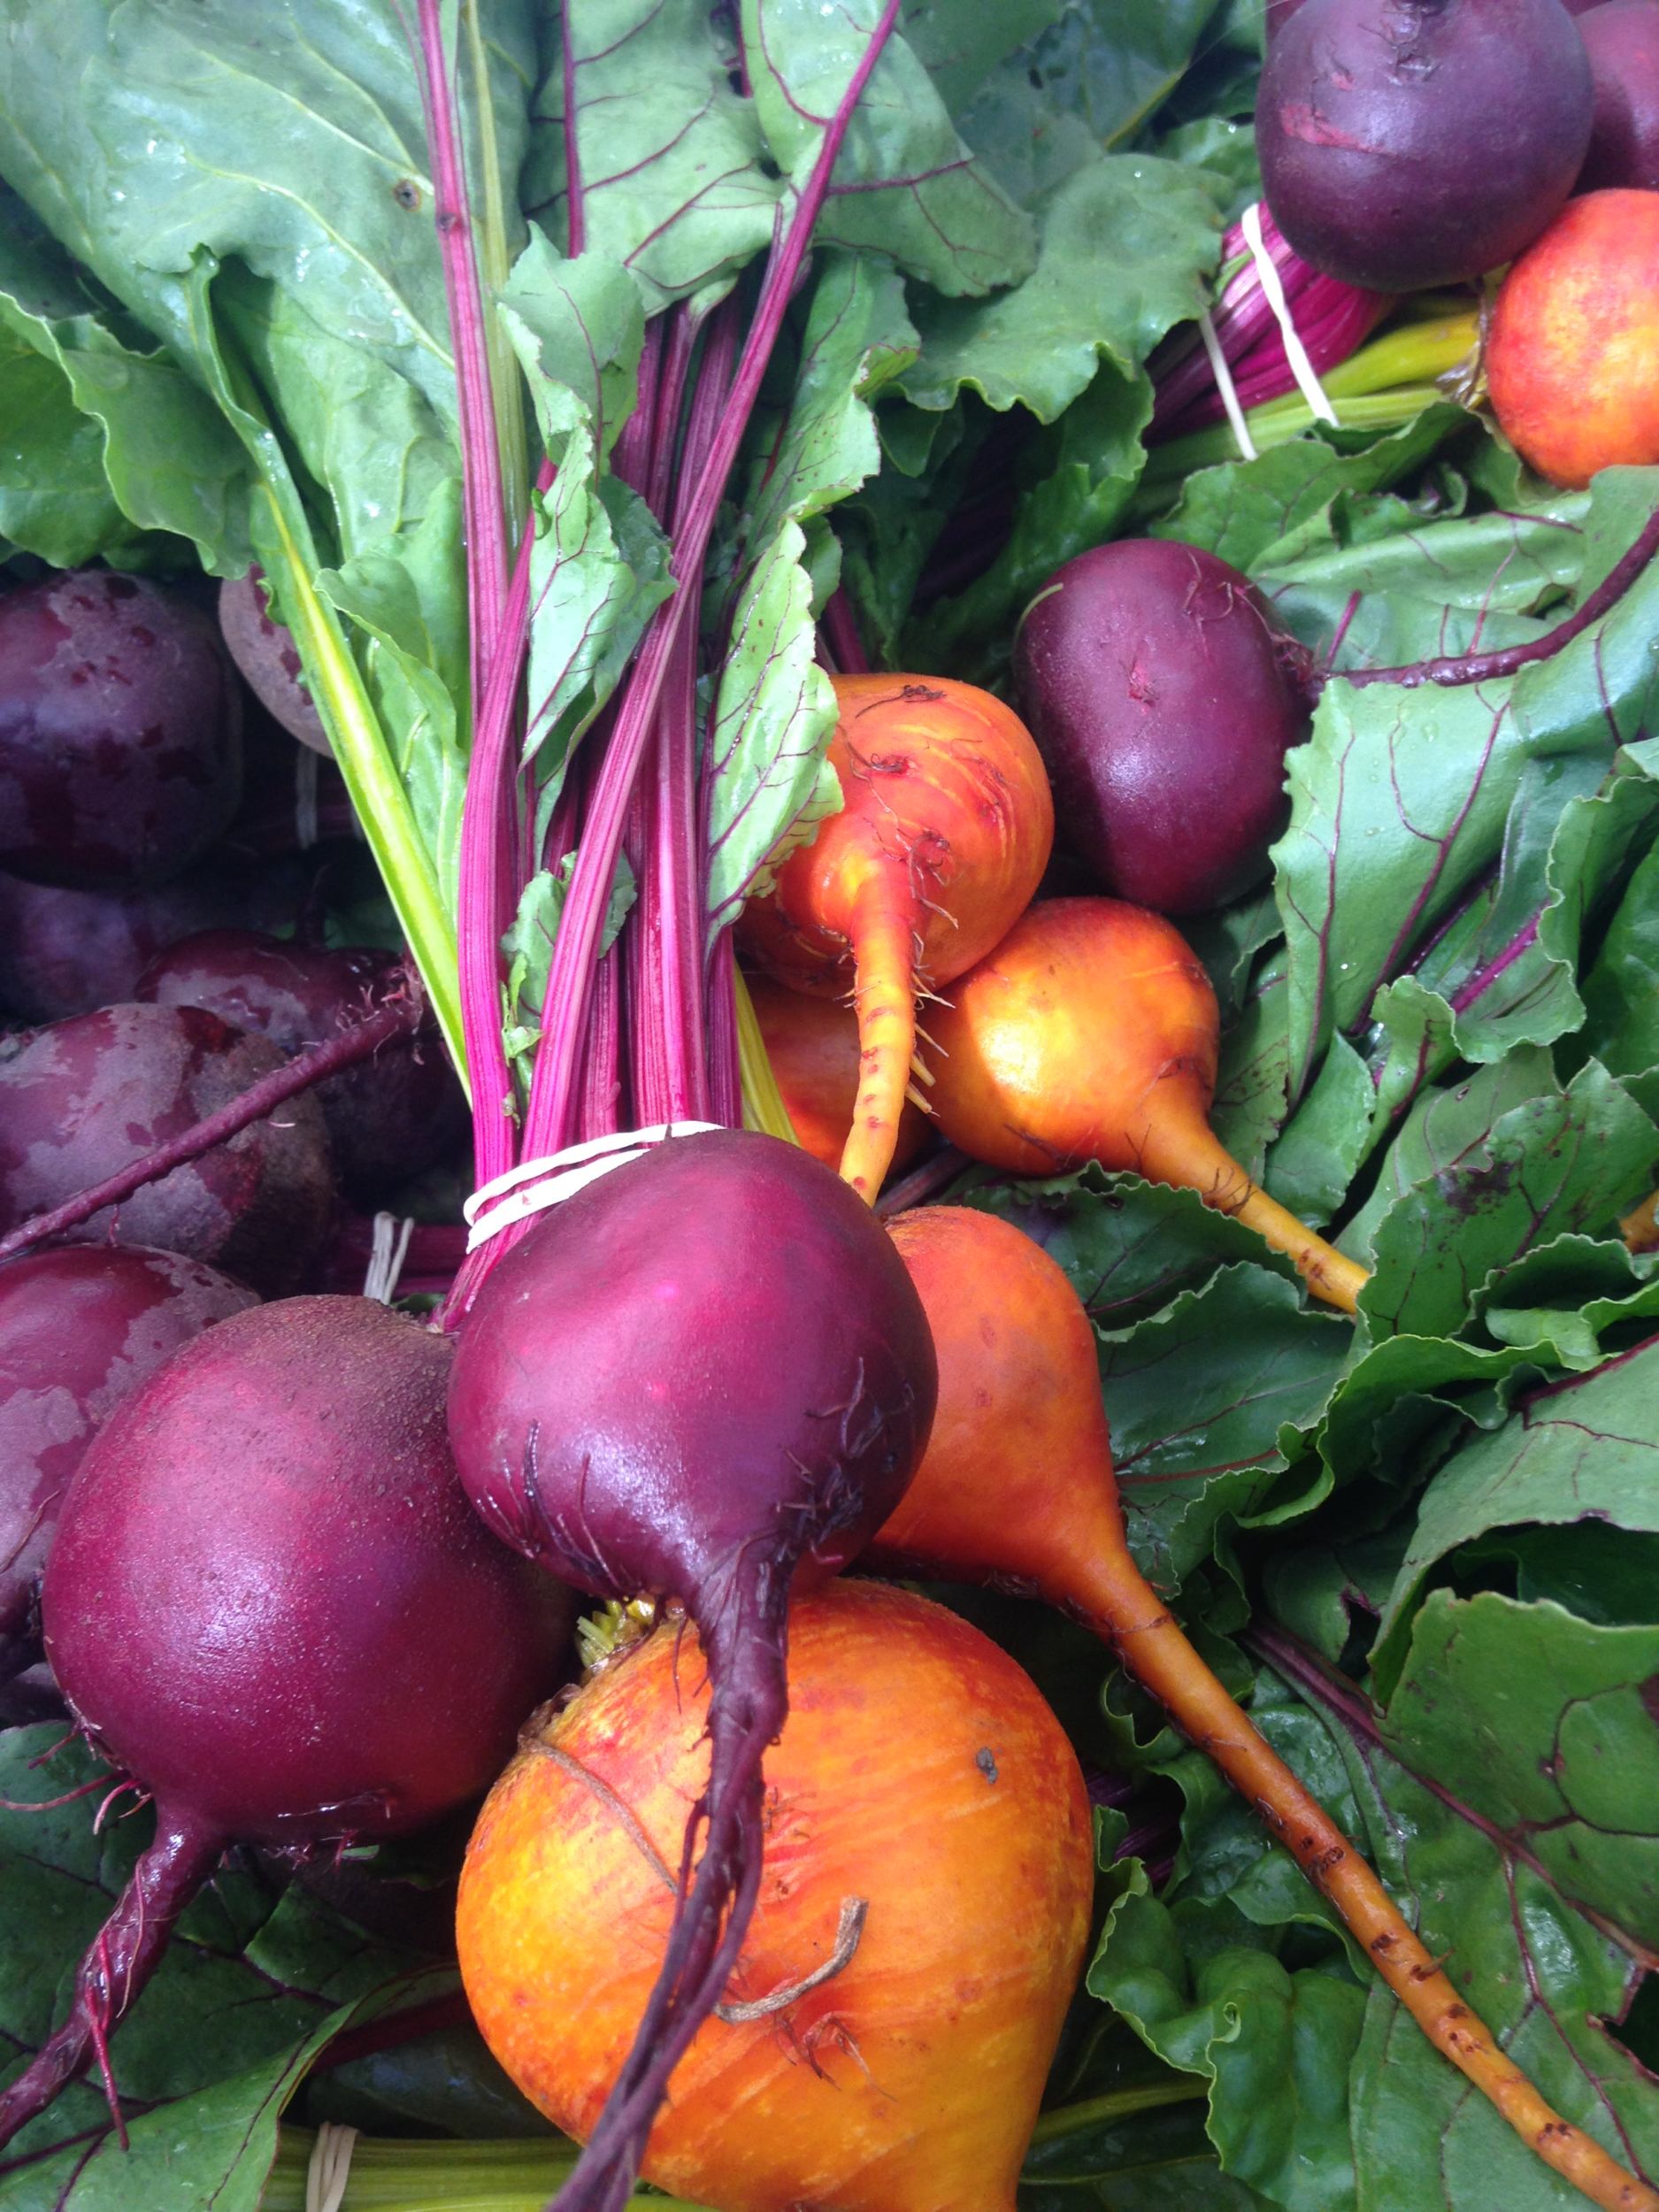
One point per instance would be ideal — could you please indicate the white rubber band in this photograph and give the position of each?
(386, 1255)
(330, 2168)
(1267, 270)
(1226, 386)
(536, 1184)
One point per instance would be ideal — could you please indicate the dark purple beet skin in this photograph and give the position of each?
(269, 659)
(1163, 703)
(389, 1118)
(714, 1347)
(120, 732)
(65, 952)
(703, 1372)
(1408, 143)
(1279, 13)
(85, 1097)
(1621, 40)
(270, 1603)
(82, 1326)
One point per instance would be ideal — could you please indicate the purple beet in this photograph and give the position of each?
(269, 659)
(1621, 40)
(85, 1097)
(269, 1603)
(1279, 13)
(82, 1326)
(1164, 703)
(120, 732)
(65, 952)
(391, 1118)
(1409, 143)
(704, 1373)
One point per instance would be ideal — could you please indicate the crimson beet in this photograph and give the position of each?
(120, 730)
(82, 1326)
(388, 1119)
(1162, 702)
(1409, 143)
(86, 1097)
(270, 1603)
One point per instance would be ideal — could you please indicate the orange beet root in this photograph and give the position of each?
(1017, 1486)
(920, 1773)
(943, 837)
(812, 1044)
(1572, 353)
(1091, 1033)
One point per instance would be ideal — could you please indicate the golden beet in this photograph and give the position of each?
(919, 1771)
(812, 1044)
(1572, 354)
(944, 832)
(1016, 1485)
(1091, 1033)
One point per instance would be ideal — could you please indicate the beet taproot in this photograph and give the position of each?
(1017, 1487)
(1092, 1034)
(705, 1377)
(269, 1603)
(945, 829)
(82, 1326)
(120, 730)
(919, 1779)
(85, 1097)
(1410, 144)
(1163, 702)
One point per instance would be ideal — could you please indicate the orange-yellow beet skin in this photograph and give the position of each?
(945, 830)
(919, 1770)
(1572, 354)
(812, 1044)
(1090, 1033)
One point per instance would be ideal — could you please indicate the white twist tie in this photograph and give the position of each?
(1267, 270)
(386, 1255)
(330, 2168)
(1226, 386)
(538, 1184)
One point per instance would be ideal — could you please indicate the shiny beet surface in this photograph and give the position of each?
(82, 1326)
(84, 1098)
(1163, 703)
(388, 1119)
(1409, 143)
(120, 730)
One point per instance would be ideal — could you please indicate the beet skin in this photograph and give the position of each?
(1164, 703)
(269, 1603)
(82, 1326)
(389, 1118)
(85, 1098)
(1409, 143)
(120, 732)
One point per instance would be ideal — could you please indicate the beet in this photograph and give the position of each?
(703, 1373)
(65, 952)
(85, 1097)
(1162, 702)
(120, 732)
(389, 1118)
(1621, 40)
(269, 659)
(1279, 13)
(1408, 143)
(82, 1326)
(269, 1603)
